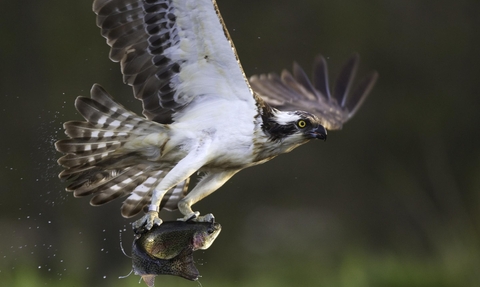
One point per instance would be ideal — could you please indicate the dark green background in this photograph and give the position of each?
(392, 200)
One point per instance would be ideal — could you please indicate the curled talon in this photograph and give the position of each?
(195, 216)
(206, 218)
(191, 216)
(147, 222)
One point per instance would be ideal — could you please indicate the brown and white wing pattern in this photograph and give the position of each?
(290, 92)
(95, 164)
(171, 51)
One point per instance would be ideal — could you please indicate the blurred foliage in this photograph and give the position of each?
(392, 200)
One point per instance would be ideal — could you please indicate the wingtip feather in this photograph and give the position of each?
(320, 76)
(345, 79)
(360, 93)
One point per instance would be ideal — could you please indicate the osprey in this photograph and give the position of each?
(201, 112)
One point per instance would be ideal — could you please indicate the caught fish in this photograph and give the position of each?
(168, 249)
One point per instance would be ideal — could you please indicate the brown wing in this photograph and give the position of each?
(296, 92)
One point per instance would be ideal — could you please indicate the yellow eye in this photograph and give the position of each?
(301, 124)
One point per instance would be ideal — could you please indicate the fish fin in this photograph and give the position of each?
(149, 280)
(186, 266)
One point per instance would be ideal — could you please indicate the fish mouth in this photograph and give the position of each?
(211, 235)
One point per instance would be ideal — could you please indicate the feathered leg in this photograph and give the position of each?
(191, 163)
(205, 187)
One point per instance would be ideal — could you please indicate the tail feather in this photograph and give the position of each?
(103, 112)
(104, 155)
(88, 178)
(88, 166)
(76, 129)
(82, 152)
(135, 204)
(101, 180)
(141, 195)
(88, 145)
(171, 198)
(115, 187)
(78, 162)
(68, 174)
(109, 126)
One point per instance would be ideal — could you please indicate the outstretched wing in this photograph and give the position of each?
(296, 92)
(172, 51)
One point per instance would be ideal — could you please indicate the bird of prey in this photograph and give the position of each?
(201, 113)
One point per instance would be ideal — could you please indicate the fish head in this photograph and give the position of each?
(170, 238)
(206, 234)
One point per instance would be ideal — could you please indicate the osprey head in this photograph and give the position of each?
(293, 127)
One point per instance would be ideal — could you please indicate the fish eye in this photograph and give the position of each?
(302, 123)
(210, 230)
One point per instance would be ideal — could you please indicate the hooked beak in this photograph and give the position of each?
(319, 133)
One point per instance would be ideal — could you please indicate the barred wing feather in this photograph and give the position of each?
(170, 51)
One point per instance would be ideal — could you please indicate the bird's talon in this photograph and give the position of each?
(206, 218)
(191, 216)
(195, 217)
(147, 222)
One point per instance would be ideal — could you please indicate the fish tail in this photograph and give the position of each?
(183, 265)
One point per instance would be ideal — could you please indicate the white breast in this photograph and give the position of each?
(228, 125)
